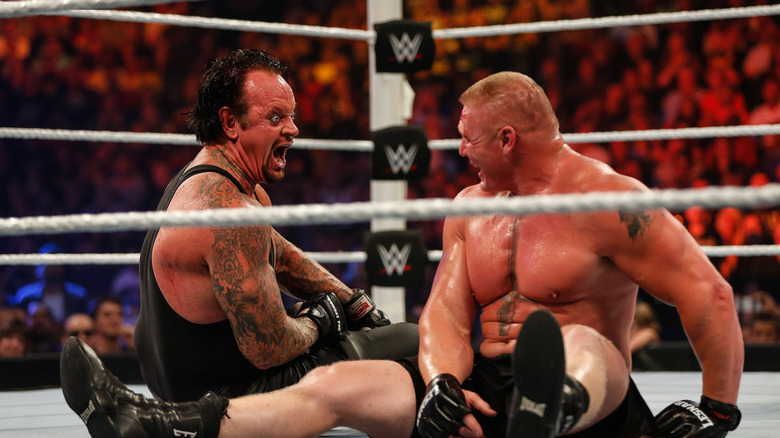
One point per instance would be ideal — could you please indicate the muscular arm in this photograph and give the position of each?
(245, 286)
(658, 253)
(446, 320)
(301, 275)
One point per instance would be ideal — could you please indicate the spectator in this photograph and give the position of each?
(768, 111)
(44, 330)
(126, 287)
(60, 296)
(79, 325)
(645, 329)
(762, 328)
(730, 231)
(13, 340)
(673, 104)
(110, 335)
(86, 74)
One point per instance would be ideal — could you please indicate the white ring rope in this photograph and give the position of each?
(369, 35)
(134, 258)
(223, 24)
(367, 145)
(306, 214)
(37, 7)
(425, 208)
(320, 257)
(165, 138)
(605, 22)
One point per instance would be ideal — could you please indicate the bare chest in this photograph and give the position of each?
(544, 258)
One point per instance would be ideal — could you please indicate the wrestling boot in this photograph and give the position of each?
(111, 410)
(546, 402)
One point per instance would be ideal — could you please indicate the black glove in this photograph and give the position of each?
(362, 312)
(443, 408)
(326, 311)
(688, 419)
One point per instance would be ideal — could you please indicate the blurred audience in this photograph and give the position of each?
(44, 331)
(52, 290)
(110, 335)
(13, 340)
(645, 329)
(64, 72)
(79, 325)
(762, 328)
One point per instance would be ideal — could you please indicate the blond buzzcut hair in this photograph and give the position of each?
(513, 99)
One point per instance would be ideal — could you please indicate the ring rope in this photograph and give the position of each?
(222, 23)
(134, 258)
(37, 7)
(320, 257)
(369, 35)
(306, 214)
(164, 138)
(606, 22)
(32, 7)
(368, 146)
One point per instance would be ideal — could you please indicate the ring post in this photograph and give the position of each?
(389, 93)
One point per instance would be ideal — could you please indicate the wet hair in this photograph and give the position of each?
(222, 85)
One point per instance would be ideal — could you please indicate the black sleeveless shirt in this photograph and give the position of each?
(181, 360)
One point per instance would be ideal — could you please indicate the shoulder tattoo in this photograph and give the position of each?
(636, 222)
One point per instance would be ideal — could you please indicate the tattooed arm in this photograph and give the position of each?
(657, 252)
(301, 275)
(245, 286)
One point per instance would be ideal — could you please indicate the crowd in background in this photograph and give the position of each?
(61, 72)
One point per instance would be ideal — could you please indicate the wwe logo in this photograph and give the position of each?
(401, 158)
(394, 260)
(406, 48)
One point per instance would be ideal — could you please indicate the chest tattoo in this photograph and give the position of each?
(505, 314)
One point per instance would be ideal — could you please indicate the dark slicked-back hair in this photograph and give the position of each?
(223, 85)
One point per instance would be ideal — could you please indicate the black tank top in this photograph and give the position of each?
(180, 360)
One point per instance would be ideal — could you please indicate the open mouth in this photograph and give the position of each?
(280, 155)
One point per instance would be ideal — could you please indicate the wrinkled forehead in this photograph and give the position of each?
(467, 116)
(471, 118)
(264, 86)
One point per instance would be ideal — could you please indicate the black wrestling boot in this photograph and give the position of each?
(111, 410)
(539, 369)
(574, 403)
(546, 401)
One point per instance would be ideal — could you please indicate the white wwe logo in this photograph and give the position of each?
(394, 260)
(401, 158)
(406, 48)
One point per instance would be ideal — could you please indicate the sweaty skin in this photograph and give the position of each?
(209, 274)
(586, 268)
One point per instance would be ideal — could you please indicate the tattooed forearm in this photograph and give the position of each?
(245, 286)
(251, 299)
(304, 277)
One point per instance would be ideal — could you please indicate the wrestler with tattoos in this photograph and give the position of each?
(557, 294)
(584, 269)
(212, 315)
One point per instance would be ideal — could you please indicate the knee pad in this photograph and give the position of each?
(392, 342)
